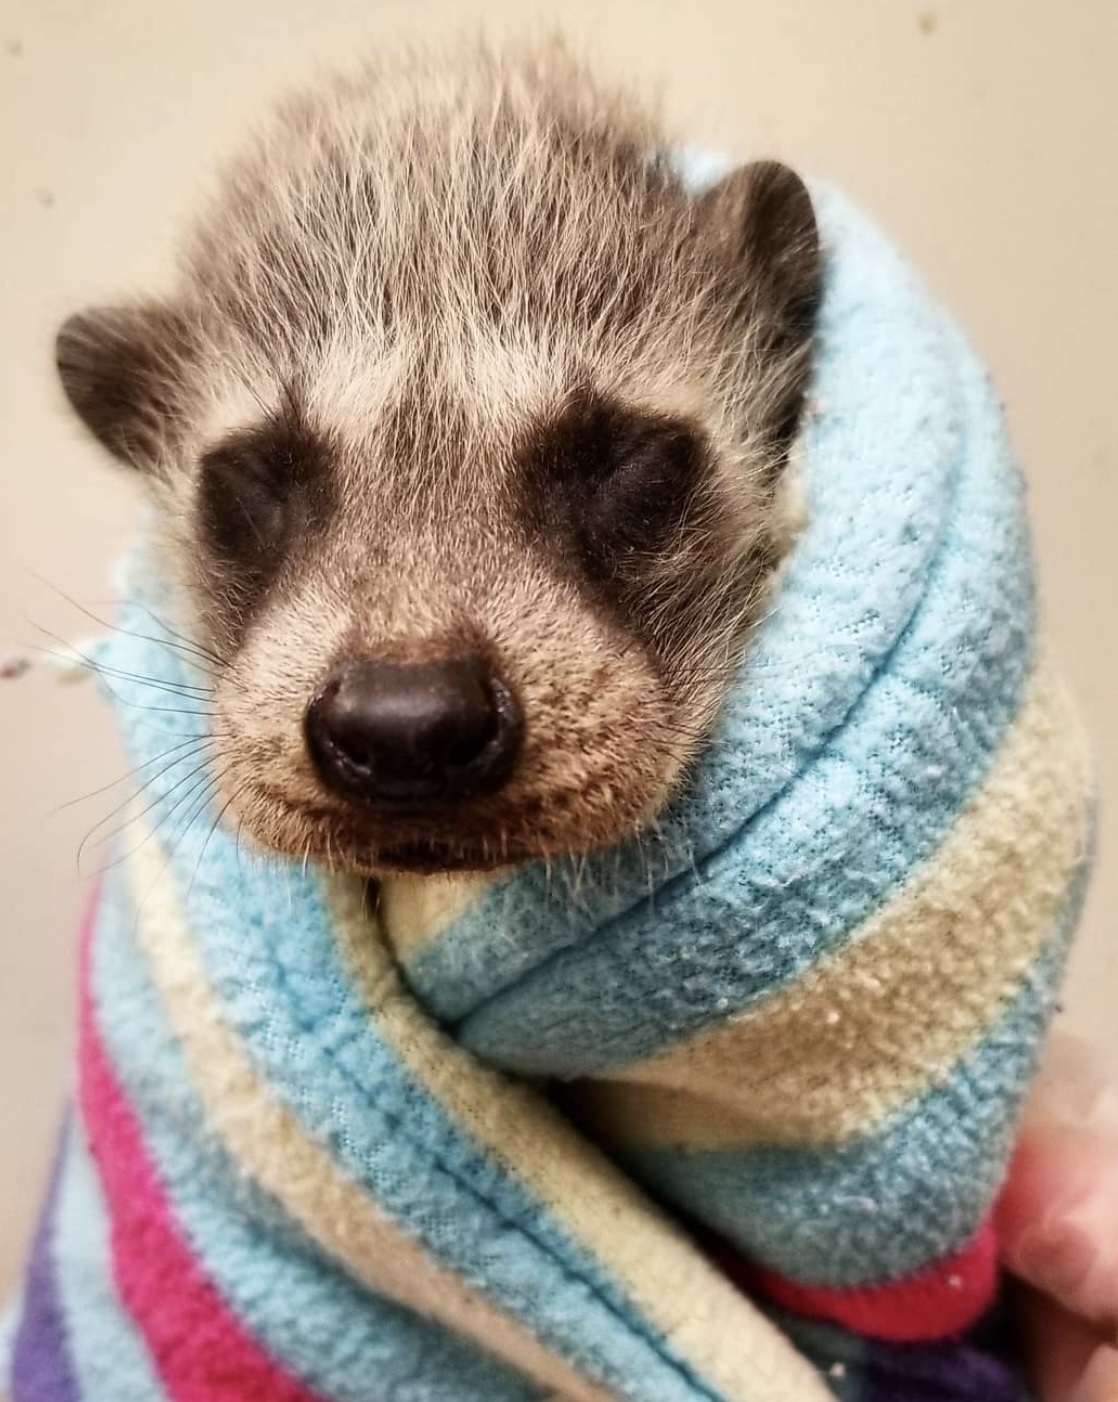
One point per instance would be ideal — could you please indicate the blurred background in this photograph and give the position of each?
(982, 133)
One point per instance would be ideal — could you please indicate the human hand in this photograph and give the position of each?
(1058, 1225)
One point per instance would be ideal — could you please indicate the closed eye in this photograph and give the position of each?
(620, 478)
(252, 488)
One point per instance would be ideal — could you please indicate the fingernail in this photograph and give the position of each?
(1100, 1382)
(1072, 1255)
(1094, 1223)
(1056, 1256)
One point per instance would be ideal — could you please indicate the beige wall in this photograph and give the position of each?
(983, 132)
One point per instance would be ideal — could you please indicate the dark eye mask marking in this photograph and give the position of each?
(608, 490)
(263, 493)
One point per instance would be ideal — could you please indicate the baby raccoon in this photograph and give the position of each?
(465, 424)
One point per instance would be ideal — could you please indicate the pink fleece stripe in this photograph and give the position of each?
(939, 1302)
(201, 1350)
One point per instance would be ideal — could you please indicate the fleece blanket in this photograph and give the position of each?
(716, 1116)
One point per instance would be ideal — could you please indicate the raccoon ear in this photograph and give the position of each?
(762, 218)
(124, 371)
(762, 222)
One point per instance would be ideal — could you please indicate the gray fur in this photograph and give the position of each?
(442, 278)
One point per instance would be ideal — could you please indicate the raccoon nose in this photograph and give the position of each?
(391, 734)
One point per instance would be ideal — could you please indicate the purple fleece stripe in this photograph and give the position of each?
(952, 1371)
(42, 1370)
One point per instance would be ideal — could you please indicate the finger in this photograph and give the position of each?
(1058, 1346)
(1057, 1221)
(1058, 1216)
(1100, 1382)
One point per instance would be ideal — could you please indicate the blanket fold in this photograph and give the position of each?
(794, 1023)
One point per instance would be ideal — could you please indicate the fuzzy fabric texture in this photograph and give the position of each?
(305, 1165)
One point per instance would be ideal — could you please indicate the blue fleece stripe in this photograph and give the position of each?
(110, 1356)
(807, 870)
(888, 1204)
(880, 485)
(313, 1319)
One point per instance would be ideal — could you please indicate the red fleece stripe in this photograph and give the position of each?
(201, 1350)
(941, 1301)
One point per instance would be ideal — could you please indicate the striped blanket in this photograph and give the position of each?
(717, 1116)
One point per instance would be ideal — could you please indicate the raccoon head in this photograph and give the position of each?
(466, 424)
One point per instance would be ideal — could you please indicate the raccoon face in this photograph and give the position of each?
(466, 426)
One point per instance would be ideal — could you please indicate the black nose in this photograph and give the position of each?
(388, 733)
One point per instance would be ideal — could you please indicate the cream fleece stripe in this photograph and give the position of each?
(889, 1014)
(415, 909)
(272, 1148)
(708, 1322)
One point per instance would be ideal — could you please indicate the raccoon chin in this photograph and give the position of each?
(324, 837)
(432, 858)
